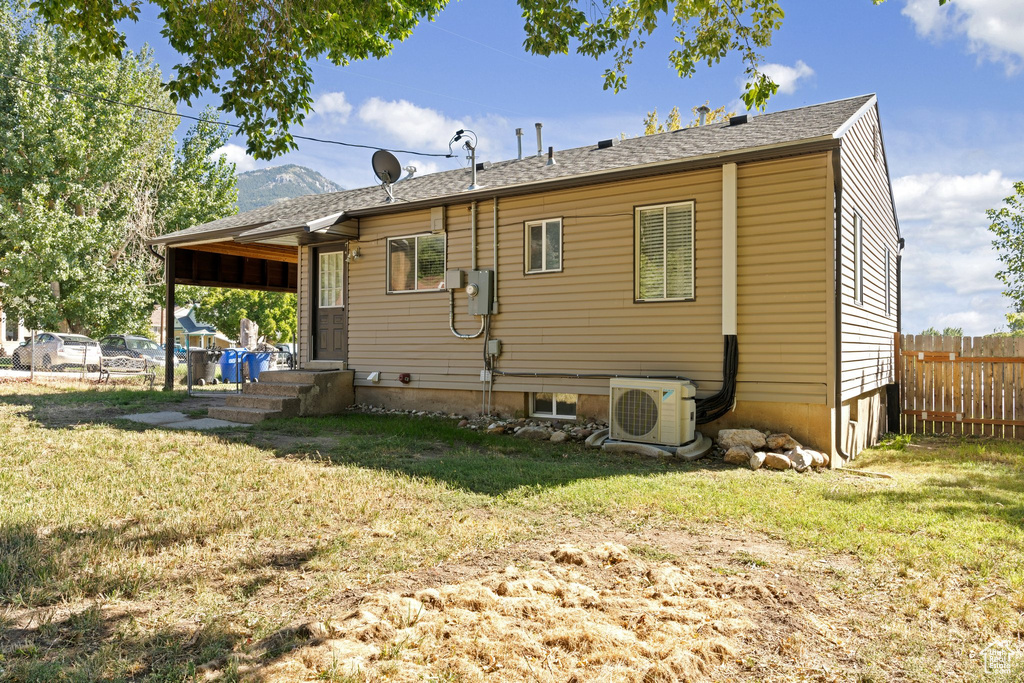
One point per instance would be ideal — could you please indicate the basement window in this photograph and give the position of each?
(544, 246)
(416, 263)
(546, 404)
(664, 252)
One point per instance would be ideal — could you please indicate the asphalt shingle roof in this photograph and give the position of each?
(790, 126)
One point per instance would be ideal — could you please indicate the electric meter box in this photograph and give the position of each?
(454, 278)
(481, 302)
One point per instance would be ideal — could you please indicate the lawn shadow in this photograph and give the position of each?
(42, 566)
(106, 642)
(436, 449)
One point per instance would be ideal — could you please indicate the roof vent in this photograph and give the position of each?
(483, 165)
(605, 144)
(738, 120)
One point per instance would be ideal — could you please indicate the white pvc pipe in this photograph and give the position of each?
(729, 227)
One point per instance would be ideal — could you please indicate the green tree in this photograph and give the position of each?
(256, 54)
(1007, 224)
(946, 332)
(83, 182)
(274, 312)
(674, 121)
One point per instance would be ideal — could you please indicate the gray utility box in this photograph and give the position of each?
(483, 300)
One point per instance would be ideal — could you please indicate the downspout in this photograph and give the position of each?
(495, 257)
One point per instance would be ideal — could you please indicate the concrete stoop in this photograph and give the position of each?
(289, 393)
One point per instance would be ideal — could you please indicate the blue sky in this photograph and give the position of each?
(950, 84)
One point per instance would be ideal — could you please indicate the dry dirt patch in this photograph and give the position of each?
(603, 614)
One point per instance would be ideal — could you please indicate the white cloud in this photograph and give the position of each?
(426, 129)
(237, 156)
(334, 106)
(949, 265)
(787, 77)
(994, 28)
(408, 123)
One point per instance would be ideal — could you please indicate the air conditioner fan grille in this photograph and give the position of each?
(636, 412)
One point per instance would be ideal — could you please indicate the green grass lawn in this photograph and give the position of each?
(116, 539)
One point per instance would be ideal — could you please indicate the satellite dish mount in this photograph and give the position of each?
(388, 171)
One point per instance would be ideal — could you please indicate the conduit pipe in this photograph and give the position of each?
(472, 236)
(451, 319)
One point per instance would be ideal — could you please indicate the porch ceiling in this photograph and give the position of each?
(269, 268)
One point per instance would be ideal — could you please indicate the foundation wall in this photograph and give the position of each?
(864, 421)
(810, 424)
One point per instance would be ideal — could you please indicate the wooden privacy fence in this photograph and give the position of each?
(961, 385)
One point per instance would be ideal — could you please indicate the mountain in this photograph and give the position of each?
(268, 185)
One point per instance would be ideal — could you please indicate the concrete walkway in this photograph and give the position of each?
(171, 419)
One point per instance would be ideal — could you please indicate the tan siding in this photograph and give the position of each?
(584, 320)
(867, 333)
(783, 228)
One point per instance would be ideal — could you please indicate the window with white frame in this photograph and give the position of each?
(888, 282)
(548, 404)
(544, 246)
(858, 259)
(416, 263)
(332, 279)
(664, 252)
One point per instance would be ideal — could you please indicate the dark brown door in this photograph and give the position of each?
(329, 303)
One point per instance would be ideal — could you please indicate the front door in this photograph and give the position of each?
(329, 303)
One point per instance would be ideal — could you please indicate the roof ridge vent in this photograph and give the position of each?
(605, 144)
(738, 120)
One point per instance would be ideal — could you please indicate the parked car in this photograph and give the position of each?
(55, 350)
(19, 357)
(133, 346)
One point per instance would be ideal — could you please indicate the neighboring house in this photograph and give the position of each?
(187, 331)
(665, 255)
(14, 332)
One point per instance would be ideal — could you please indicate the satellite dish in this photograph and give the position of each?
(386, 167)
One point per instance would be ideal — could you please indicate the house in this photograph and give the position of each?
(758, 257)
(188, 332)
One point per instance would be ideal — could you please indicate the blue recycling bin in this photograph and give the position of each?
(258, 362)
(231, 365)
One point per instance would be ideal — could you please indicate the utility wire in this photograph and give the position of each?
(236, 126)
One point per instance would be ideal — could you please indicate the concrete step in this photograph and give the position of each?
(246, 415)
(287, 406)
(289, 389)
(289, 377)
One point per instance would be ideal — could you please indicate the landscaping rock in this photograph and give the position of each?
(800, 458)
(777, 462)
(559, 437)
(756, 460)
(496, 429)
(597, 439)
(818, 459)
(533, 434)
(463, 423)
(634, 449)
(782, 442)
(739, 455)
(751, 438)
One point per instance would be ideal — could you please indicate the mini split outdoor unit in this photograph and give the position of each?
(652, 411)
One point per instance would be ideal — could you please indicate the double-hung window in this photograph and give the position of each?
(416, 263)
(888, 282)
(544, 246)
(858, 259)
(664, 252)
